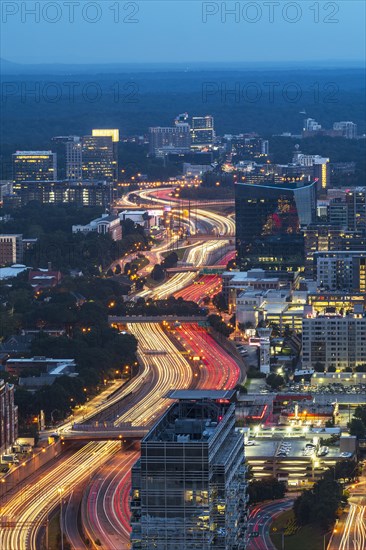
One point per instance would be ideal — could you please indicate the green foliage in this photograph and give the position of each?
(266, 489)
(255, 373)
(320, 504)
(357, 427)
(170, 306)
(218, 324)
(220, 302)
(275, 380)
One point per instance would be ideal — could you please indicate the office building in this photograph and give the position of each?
(356, 203)
(327, 238)
(34, 166)
(320, 168)
(6, 188)
(202, 132)
(311, 125)
(107, 224)
(334, 339)
(188, 487)
(170, 139)
(11, 249)
(107, 132)
(269, 218)
(69, 157)
(247, 147)
(341, 270)
(348, 129)
(8, 416)
(98, 193)
(99, 158)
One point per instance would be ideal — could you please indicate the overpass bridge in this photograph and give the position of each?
(123, 319)
(202, 269)
(104, 431)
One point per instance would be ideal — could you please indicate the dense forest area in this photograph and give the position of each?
(268, 102)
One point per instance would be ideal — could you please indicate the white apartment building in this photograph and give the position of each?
(334, 339)
(338, 270)
(105, 224)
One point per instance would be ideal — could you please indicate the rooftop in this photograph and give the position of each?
(201, 394)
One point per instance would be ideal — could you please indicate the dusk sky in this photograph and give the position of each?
(163, 31)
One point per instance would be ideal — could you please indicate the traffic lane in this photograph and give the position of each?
(260, 519)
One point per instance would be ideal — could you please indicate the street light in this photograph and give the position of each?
(331, 532)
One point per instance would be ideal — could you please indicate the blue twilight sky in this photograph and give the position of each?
(116, 31)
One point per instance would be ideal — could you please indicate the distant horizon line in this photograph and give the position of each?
(340, 63)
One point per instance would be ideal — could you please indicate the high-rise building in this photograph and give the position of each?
(348, 129)
(359, 273)
(311, 125)
(244, 147)
(99, 158)
(269, 218)
(170, 139)
(92, 193)
(335, 339)
(202, 132)
(107, 132)
(327, 238)
(8, 416)
(356, 202)
(34, 166)
(340, 270)
(69, 157)
(188, 487)
(320, 167)
(11, 249)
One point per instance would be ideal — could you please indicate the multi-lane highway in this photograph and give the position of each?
(218, 370)
(26, 511)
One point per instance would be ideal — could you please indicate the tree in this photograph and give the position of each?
(157, 273)
(275, 380)
(319, 367)
(266, 489)
(360, 412)
(357, 427)
(117, 269)
(219, 301)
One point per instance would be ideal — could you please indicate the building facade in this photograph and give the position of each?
(202, 132)
(11, 249)
(341, 270)
(269, 219)
(334, 339)
(99, 158)
(34, 166)
(170, 139)
(105, 225)
(98, 193)
(8, 416)
(188, 488)
(328, 238)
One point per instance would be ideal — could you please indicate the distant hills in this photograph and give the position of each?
(11, 68)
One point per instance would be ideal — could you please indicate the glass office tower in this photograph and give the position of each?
(188, 488)
(269, 218)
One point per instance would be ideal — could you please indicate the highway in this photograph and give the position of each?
(205, 286)
(27, 510)
(221, 370)
(350, 532)
(218, 370)
(260, 519)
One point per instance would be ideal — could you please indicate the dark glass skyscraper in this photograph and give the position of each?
(269, 218)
